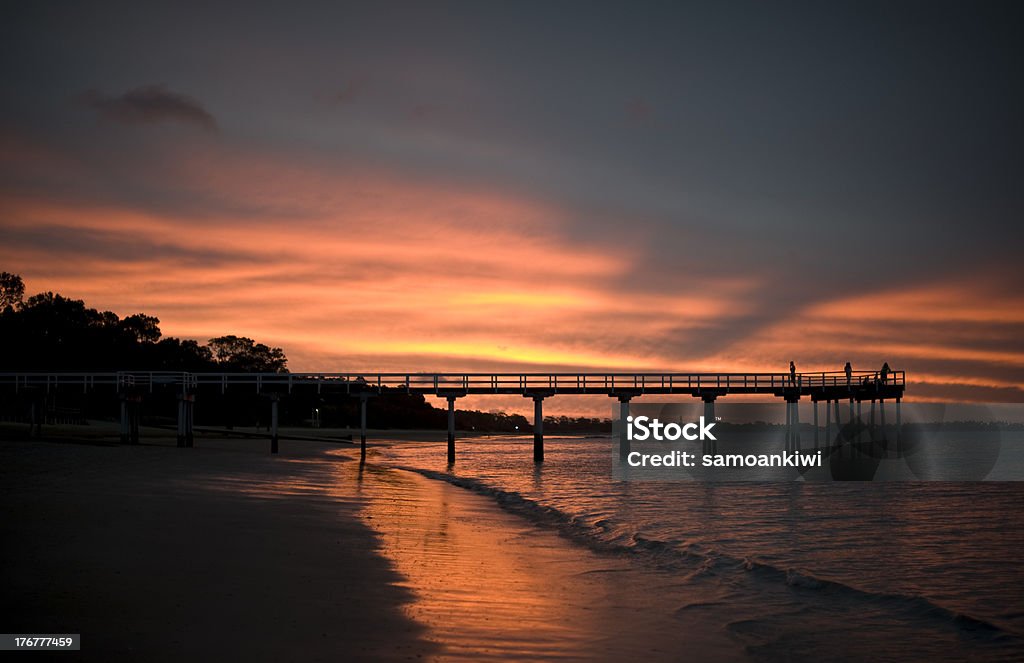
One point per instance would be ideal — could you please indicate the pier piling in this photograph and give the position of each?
(35, 428)
(709, 446)
(815, 425)
(828, 423)
(273, 423)
(131, 406)
(362, 426)
(186, 438)
(899, 430)
(538, 429)
(451, 430)
(795, 404)
(789, 425)
(623, 415)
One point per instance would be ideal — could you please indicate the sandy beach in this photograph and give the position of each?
(157, 553)
(224, 552)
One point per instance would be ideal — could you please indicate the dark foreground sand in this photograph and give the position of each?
(164, 554)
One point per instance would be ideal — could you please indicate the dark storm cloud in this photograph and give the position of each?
(115, 247)
(966, 392)
(150, 104)
(989, 335)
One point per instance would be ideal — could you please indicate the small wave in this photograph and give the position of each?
(697, 605)
(675, 556)
(795, 579)
(908, 605)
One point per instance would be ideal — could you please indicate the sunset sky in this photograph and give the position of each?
(533, 186)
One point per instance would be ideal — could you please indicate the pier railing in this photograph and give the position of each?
(477, 383)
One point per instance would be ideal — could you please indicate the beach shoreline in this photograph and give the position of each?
(223, 551)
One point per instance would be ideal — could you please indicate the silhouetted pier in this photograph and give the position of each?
(132, 387)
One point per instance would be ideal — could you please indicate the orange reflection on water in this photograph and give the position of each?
(491, 585)
(482, 590)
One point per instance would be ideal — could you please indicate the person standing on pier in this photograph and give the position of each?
(849, 374)
(792, 373)
(885, 372)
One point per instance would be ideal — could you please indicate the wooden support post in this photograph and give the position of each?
(789, 424)
(362, 426)
(623, 426)
(181, 421)
(881, 414)
(899, 429)
(815, 425)
(828, 423)
(35, 428)
(538, 429)
(709, 446)
(125, 426)
(451, 430)
(273, 423)
(839, 426)
(796, 425)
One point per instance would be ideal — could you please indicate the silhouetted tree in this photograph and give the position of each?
(238, 353)
(172, 354)
(145, 328)
(12, 290)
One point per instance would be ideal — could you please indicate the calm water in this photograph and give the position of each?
(790, 570)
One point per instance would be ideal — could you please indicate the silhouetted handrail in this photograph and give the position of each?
(443, 383)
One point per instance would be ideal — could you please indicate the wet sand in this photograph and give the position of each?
(223, 552)
(490, 585)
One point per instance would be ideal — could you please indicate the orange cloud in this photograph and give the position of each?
(355, 269)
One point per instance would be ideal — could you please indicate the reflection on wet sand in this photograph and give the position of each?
(488, 584)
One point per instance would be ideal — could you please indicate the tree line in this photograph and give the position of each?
(50, 332)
